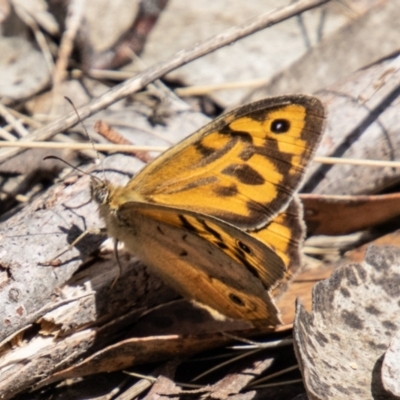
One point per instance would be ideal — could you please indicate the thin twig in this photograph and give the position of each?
(227, 362)
(304, 32)
(282, 383)
(25, 118)
(134, 148)
(4, 134)
(81, 146)
(72, 24)
(14, 122)
(207, 89)
(274, 375)
(39, 36)
(354, 161)
(159, 70)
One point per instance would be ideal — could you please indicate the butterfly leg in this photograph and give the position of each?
(117, 259)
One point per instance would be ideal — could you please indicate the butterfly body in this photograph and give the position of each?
(215, 215)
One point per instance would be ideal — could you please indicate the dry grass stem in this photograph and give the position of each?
(207, 89)
(279, 373)
(14, 122)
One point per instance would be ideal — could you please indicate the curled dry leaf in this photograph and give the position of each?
(363, 123)
(340, 344)
(391, 367)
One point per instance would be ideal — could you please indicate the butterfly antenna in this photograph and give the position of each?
(87, 134)
(73, 167)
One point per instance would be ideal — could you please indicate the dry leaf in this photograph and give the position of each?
(362, 123)
(351, 213)
(341, 343)
(136, 351)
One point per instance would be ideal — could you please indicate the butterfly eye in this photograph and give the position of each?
(100, 195)
(280, 126)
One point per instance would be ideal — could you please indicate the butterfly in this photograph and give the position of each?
(216, 216)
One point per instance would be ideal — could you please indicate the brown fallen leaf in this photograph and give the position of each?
(230, 385)
(163, 389)
(234, 383)
(340, 215)
(136, 351)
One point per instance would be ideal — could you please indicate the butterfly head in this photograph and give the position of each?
(100, 191)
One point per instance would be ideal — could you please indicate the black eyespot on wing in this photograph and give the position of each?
(244, 247)
(160, 230)
(236, 299)
(183, 253)
(280, 125)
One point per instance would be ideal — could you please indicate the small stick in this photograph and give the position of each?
(4, 134)
(354, 161)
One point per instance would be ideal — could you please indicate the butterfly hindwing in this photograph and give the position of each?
(213, 262)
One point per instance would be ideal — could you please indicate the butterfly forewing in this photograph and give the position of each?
(243, 167)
